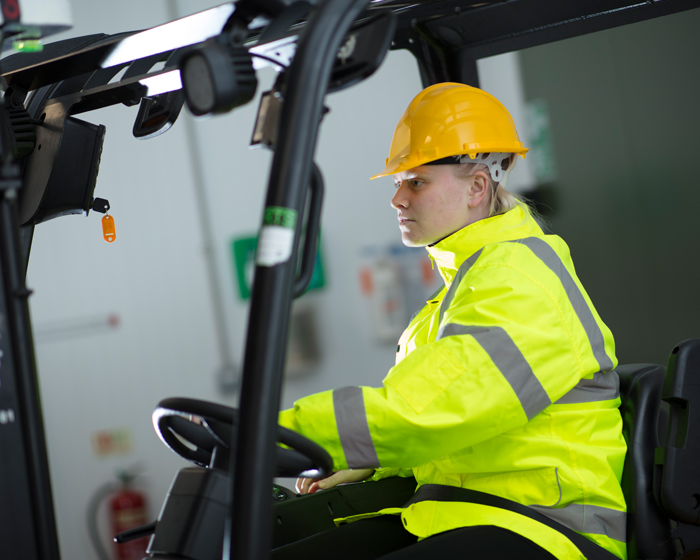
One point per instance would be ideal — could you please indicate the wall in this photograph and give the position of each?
(154, 277)
(624, 120)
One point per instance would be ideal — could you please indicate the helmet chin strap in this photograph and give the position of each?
(498, 164)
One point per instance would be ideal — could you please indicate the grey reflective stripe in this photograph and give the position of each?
(595, 520)
(510, 361)
(461, 273)
(604, 386)
(549, 257)
(351, 420)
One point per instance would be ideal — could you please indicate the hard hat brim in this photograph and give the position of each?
(404, 164)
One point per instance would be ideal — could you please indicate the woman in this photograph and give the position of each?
(504, 382)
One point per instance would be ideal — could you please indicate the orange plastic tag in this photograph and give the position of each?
(108, 228)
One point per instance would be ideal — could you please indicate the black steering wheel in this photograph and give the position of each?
(201, 432)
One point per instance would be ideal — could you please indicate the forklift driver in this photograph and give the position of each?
(504, 382)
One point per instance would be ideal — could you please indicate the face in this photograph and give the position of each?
(432, 203)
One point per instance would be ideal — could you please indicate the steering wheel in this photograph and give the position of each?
(201, 432)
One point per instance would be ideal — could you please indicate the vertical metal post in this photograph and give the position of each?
(467, 70)
(27, 519)
(437, 64)
(248, 527)
(19, 392)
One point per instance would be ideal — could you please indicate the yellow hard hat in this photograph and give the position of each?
(451, 119)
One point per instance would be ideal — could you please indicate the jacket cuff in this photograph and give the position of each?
(287, 419)
(386, 473)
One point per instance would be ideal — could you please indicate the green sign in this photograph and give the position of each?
(541, 150)
(243, 255)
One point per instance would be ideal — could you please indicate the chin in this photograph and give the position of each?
(413, 242)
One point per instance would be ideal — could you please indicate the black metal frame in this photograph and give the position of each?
(249, 525)
(446, 38)
(27, 517)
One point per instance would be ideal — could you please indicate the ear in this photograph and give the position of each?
(478, 190)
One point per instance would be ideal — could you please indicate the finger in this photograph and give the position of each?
(328, 482)
(343, 476)
(331, 481)
(306, 484)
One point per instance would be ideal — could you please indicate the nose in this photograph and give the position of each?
(399, 200)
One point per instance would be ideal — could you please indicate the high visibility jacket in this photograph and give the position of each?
(504, 383)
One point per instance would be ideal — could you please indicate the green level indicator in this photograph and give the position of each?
(28, 45)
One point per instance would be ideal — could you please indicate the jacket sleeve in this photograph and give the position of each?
(509, 345)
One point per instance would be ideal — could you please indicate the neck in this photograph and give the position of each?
(449, 253)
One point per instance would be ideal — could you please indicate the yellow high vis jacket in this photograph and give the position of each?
(504, 383)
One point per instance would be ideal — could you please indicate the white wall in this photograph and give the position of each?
(154, 275)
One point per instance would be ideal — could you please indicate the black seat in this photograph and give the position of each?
(661, 477)
(648, 527)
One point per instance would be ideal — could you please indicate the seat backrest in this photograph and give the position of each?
(648, 527)
(677, 461)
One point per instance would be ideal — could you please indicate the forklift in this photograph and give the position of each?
(49, 162)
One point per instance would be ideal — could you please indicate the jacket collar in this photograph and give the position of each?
(449, 253)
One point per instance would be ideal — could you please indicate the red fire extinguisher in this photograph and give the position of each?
(127, 510)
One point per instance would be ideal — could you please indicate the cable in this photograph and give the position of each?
(269, 59)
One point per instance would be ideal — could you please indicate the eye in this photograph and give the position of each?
(415, 182)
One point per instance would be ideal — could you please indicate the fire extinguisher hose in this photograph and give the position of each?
(93, 506)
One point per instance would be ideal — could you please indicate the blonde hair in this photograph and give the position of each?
(501, 199)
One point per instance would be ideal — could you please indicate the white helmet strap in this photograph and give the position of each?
(498, 163)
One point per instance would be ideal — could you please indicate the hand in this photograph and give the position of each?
(312, 485)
